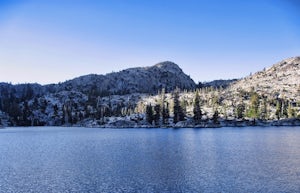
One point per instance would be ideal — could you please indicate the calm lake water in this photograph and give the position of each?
(60, 159)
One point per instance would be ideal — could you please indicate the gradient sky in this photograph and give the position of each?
(50, 41)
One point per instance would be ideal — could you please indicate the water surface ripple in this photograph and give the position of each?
(61, 159)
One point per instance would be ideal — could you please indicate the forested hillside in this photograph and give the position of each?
(161, 95)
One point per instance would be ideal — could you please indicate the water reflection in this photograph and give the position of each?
(150, 160)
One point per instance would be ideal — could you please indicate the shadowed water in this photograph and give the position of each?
(60, 159)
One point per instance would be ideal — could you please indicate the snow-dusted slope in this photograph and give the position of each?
(281, 80)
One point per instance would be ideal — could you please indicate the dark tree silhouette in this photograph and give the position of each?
(197, 110)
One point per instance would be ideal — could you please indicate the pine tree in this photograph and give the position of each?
(215, 101)
(264, 110)
(14, 112)
(240, 110)
(25, 115)
(80, 116)
(166, 114)
(75, 118)
(63, 120)
(278, 109)
(225, 111)
(149, 114)
(178, 112)
(291, 112)
(157, 114)
(87, 111)
(285, 109)
(164, 107)
(1, 108)
(70, 116)
(67, 113)
(55, 110)
(197, 110)
(183, 105)
(216, 117)
(35, 103)
(254, 106)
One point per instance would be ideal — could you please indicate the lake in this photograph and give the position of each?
(62, 159)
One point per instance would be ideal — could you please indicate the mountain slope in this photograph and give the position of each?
(85, 97)
(217, 83)
(280, 80)
(101, 99)
(166, 75)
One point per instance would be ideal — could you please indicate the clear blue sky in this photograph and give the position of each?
(49, 41)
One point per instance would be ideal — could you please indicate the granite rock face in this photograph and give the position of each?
(280, 80)
(166, 75)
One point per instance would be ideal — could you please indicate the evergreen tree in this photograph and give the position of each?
(197, 110)
(67, 113)
(25, 115)
(63, 120)
(44, 106)
(27, 92)
(70, 117)
(1, 108)
(254, 106)
(157, 114)
(15, 113)
(109, 109)
(216, 117)
(164, 107)
(87, 111)
(177, 109)
(55, 110)
(291, 112)
(240, 110)
(80, 116)
(225, 111)
(75, 118)
(285, 109)
(35, 103)
(264, 109)
(99, 112)
(166, 114)
(278, 109)
(183, 105)
(149, 114)
(215, 101)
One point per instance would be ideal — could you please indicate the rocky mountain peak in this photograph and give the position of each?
(167, 65)
(166, 75)
(287, 64)
(292, 60)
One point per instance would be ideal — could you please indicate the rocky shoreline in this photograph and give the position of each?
(191, 124)
(124, 123)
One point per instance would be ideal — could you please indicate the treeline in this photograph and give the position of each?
(159, 114)
(262, 107)
(218, 105)
(28, 107)
(68, 107)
